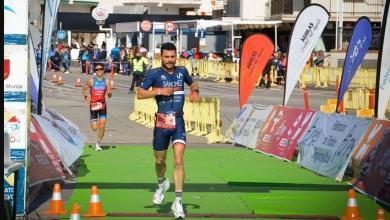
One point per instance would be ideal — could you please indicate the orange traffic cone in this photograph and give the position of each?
(78, 82)
(54, 79)
(60, 81)
(56, 204)
(112, 84)
(352, 210)
(95, 208)
(380, 214)
(75, 215)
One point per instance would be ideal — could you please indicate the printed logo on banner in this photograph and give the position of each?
(9, 187)
(281, 131)
(328, 143)
(8, 8)
(14, 124)
(16, 65)
(15, 18)
(6, 68)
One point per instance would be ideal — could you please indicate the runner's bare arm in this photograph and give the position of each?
(109, 89)
(86, 89)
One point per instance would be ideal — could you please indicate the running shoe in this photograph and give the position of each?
(97, 146)
(177, 208)
(158, 196)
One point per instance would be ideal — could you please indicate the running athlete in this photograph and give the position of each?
(167, 84)
(98, 86)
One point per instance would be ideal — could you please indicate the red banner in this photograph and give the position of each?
(44, 162)
(281, 131)
(374, 174)
(256, 51)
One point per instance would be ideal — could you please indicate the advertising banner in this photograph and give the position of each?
(308, 28)
(372, 136)
(383, 78)
(44, 163)
(374, 174)
(255, 53)
(232, 130)
(327, 145)
(248, 132)
(357, 48)
(281, 131)
(65, 138)
(15, 93)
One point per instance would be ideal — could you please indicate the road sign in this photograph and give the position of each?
(169, 26)
(61, 34)
(100, 13)
(146, 25)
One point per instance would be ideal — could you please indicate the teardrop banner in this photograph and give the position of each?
(383, 73)
(255, 53)
(357, 48)
(308, 28)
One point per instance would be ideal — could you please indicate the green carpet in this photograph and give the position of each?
(217, 180)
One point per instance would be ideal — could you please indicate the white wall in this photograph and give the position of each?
(254, 9)
(165, 10)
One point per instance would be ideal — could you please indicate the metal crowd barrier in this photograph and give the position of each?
(201, 118)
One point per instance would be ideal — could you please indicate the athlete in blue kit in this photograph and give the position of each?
(167, 84)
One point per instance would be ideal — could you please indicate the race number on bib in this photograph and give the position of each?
(165, 121)
(96, 106)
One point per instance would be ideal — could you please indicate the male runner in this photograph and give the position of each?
(98, 86)
(167, 84)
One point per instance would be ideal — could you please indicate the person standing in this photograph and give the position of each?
(167, 84)
(139, 67)
(98, 87)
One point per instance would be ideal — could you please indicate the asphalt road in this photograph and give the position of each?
(69, 101)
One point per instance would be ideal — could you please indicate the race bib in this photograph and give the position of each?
(165, 121)
(96, 106)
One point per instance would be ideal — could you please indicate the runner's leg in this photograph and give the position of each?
(178, 172)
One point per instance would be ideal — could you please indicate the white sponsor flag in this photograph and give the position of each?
(383, 88)
(308, 28)
(51, 9)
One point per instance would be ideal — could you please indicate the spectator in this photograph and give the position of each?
(66, 59)
(115, 58)
(139, 67)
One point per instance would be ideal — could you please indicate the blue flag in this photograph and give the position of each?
(358, 46)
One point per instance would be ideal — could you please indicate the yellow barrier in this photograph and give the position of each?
(310, 76)
(328, 108)
(331, 102)
(365, 113)
(201, 118)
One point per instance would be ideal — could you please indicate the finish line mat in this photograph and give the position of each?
(232, 183)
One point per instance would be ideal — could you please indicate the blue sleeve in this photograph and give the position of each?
(187, 78)
(148, 81)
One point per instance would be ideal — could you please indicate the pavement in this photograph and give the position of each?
(69, 101)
